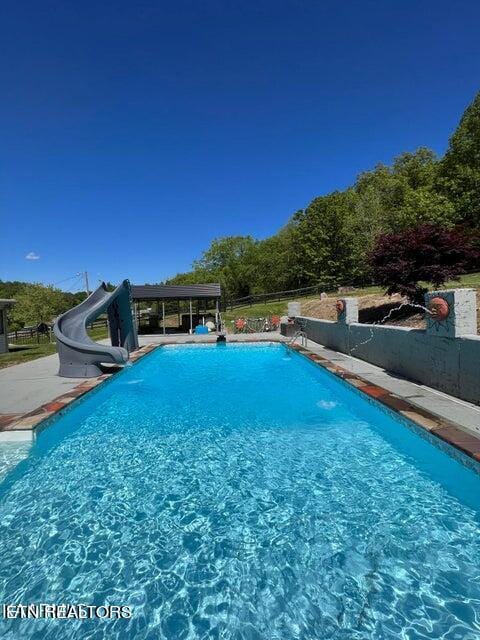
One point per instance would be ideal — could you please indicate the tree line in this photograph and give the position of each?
(36, 303)
(330, 241)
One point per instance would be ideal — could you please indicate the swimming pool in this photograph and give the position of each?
(235, 492)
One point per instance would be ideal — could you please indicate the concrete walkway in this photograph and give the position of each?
(24, 387)
(184, 338)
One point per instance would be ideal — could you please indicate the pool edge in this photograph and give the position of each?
(436, 429)
(40, 418)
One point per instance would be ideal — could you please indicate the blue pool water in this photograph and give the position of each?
(240, 492)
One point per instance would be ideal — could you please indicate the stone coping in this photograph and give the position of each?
(436, 426)
(30, 421)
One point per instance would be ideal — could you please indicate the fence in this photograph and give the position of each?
(277, 296)
(328, 287)
(32, 335)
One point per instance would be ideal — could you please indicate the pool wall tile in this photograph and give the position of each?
(40, 417)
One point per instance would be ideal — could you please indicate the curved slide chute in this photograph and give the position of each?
(80, 356)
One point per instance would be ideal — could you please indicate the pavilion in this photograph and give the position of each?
(200, 296)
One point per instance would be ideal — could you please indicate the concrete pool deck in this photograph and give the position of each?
(25, 386)
(31, 392)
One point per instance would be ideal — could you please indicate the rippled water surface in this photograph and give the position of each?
(11, 453)
(240, 492)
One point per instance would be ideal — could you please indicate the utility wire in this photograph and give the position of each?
(54, 284)
(77, 282)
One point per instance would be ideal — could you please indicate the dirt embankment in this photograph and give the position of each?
(371, 308)
(375, 308)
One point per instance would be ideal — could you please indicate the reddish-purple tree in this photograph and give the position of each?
(426, 253)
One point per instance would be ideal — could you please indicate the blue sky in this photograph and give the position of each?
(133, 133)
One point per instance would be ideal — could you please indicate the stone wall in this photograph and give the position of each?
(445, 356)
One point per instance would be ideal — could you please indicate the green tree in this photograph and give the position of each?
(459, 175)
(330, 240)
(36, 303)
(231, 260)
(395, 198)
(198, 276)
(275, 262)
(326, 246)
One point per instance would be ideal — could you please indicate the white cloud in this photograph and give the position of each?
(32, 256)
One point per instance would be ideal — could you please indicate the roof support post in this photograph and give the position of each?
(191, 317)
(163, 316)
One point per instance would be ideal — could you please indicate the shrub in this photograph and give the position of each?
(426, 253)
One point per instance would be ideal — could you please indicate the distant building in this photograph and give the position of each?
(4, 305)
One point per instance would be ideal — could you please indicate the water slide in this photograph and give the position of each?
(80, 356)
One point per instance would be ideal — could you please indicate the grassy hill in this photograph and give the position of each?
(370, 297)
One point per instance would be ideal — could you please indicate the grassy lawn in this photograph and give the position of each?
(25, 352)
(471, 280)
(279, 308)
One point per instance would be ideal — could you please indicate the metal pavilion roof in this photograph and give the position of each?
(175, 292)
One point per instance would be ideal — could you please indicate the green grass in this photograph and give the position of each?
(25, 352)
(471, 280)
(258, 310)
(279, 308)
(264, 309)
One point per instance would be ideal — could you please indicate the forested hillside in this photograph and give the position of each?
(329, 241)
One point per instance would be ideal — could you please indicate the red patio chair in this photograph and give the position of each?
(240, 325)
(275, 322)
